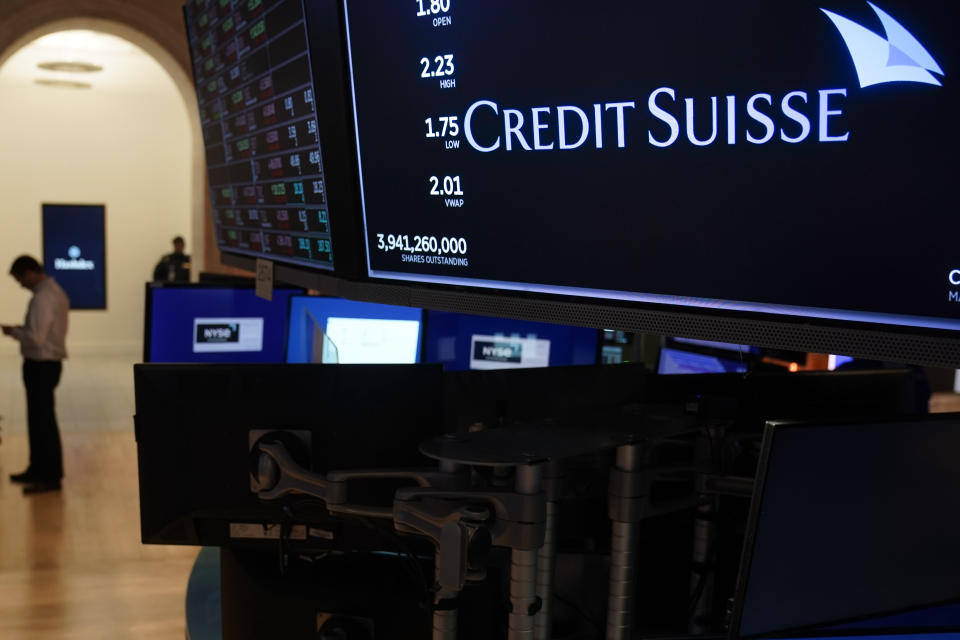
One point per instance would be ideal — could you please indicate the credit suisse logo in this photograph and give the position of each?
(898, 57)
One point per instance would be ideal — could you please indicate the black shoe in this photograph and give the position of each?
(42, 486)
(24, 477)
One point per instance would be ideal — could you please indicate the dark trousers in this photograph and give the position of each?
(40, 377)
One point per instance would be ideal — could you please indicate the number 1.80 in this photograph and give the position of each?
(436, 6)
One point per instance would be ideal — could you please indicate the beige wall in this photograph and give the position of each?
(128, 148)
(157, 27)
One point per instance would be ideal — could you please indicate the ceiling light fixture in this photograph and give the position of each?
(70, 67)
(63, 84)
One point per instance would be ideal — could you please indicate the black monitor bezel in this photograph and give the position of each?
(889, 343)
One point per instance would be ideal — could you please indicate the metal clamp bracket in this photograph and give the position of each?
(278, 475)
(518, 521)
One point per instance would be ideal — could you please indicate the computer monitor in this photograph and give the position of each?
(617, 346)
(333, 330)
(853, 530)
(75, 253)
(281, 186)
(687, 356)
(721, 346)
(464, 342)
(682, 195)
(676, 361)
(196, 424)
(834, 361)
(194, 323)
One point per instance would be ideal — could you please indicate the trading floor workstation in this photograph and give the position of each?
(437, 415)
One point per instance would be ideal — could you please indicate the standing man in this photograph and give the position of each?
(43, 345)
(173, 267)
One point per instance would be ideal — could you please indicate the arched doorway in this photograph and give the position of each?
(127, 137)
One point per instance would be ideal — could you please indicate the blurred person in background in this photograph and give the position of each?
(173, 267)
(42, 338)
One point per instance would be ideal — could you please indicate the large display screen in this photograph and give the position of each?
(215, 324)
(337, 331)
(462, 342)
(75, 252)
(259, 117)
(687, 153)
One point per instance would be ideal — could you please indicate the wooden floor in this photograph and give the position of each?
(71, 563)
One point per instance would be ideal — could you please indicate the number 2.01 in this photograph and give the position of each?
(446, 186)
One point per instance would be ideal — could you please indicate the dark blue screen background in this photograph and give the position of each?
(675, 361)
(173, 309)
(568, 345)
(83, 227)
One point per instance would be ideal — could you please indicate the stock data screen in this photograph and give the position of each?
(692, 153)
(258, 112)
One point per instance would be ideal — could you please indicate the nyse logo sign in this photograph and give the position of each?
(74, 262)
(217, 333)
(227, 335)
(791, 117)
(502, 352)
(498, 351)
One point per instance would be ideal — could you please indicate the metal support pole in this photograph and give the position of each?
(523, 566)
(701, 582)
(444, 620)
(623, 561)
(708, 486)
(548, 552)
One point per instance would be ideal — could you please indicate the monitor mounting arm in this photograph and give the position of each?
(278, 475)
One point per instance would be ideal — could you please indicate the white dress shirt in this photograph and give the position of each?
(43, 335)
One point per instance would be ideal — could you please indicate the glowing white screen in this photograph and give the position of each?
(367, 341)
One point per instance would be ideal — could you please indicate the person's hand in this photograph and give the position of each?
(7, 329)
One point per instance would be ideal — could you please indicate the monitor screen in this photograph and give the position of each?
(214, 324)
(853, 523)
(723, 346)
(258, 111)
(676, 361)
(665, 153)
(835, 361)
(464, 342)
(336, 331)
(75, 252)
